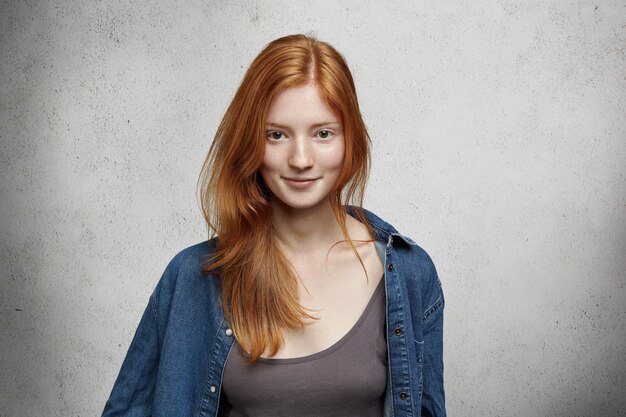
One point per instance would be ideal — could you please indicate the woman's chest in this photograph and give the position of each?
(347, 378)
(337, 296)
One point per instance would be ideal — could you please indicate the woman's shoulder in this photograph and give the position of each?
(418, 266)
(384, 230)
(193, 255)
(185, 268)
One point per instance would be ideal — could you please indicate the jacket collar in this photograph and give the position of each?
(383, 231)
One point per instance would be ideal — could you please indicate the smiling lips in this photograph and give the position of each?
(300, 182)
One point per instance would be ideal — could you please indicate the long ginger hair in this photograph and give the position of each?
(259, 286)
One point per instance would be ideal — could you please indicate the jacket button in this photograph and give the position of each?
(228, 332)
(403, 395)
(390, 267)
(214, 388)
(398, 331)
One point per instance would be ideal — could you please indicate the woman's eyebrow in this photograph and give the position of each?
(316, 125)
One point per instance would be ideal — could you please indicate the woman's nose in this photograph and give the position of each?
(301, 154)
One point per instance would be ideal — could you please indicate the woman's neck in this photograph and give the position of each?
(306, 230)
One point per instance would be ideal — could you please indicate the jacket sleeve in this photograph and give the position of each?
(133, 391)
(433, 396)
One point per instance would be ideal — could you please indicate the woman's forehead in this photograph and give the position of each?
(301, 105)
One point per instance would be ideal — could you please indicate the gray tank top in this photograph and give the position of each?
(347, 379)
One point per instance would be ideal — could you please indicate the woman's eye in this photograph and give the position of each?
(324, 134)
(275, 135)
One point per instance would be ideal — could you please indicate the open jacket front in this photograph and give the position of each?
(175, 363)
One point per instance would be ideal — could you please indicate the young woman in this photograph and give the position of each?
(299, 305)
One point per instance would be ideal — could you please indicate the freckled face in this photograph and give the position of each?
(304, 148)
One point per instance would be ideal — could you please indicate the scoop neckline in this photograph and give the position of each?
(334, 346)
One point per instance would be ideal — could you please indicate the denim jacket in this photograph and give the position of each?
(175, 363)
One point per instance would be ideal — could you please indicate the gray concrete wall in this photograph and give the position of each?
(499, 145)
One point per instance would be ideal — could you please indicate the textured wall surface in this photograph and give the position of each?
(499, 145)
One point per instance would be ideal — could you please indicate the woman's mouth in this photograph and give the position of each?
(300, 182)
